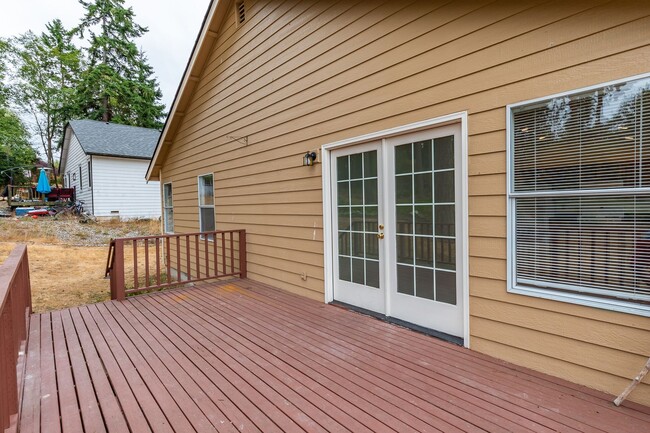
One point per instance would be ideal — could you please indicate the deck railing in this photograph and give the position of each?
(15, 308)
(146, 263)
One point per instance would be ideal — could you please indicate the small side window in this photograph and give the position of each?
(168, 208)
(206, 204)
(90, 175)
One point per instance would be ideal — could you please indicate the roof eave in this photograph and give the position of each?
(200, 53)
(114, 155)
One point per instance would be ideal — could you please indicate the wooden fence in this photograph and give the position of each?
(15, 308)
(140, 264)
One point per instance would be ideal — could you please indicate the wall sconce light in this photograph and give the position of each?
(309, 159)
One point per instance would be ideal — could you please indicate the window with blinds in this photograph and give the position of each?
(206, 204)
(579, 196)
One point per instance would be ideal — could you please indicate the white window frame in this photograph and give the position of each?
(166, 207)
(90, 173)
(200, 206)
(620, 305)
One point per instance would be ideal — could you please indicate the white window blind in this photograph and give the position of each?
(580, 193)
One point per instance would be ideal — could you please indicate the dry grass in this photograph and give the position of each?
(67, 259)
(64, 276)
(5, 249)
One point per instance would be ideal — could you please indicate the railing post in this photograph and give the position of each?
(242, 254)
(117, 272)
(15, 305)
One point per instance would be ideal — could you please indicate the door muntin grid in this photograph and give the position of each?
(425, 215)
(358, 218)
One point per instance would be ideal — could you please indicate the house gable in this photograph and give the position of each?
(75, 169)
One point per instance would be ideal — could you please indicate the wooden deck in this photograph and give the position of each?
(241, 356)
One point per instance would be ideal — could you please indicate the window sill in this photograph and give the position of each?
(585, 300)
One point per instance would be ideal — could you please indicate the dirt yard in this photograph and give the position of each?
(67, 259)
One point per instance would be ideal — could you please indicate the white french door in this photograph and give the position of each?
(396, 223)
(357, 205)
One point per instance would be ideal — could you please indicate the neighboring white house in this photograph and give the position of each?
(106, 164)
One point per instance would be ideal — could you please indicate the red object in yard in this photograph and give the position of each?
(61, 194)
(37, 212)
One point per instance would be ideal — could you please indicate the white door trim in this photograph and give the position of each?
(328, 201)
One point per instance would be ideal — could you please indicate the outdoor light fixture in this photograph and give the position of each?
(309, 159)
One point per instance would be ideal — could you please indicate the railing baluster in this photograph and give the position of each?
(243, 265)
(158, 261)
(168, 264)
(198, 258)
(215, 256)
(232, 254)
(146, 263)
(223, 253)
(178, 258)
(207, 256)
(135, 263)
(187, 257)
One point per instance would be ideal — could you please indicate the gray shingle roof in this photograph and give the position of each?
(112, 139)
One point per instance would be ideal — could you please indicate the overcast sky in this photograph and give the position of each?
(173, 27)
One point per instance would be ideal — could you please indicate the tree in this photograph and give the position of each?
(48, 68)
(16, 153)
(118, 84)
(5, 49)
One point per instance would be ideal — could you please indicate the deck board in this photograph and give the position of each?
(243, 356)
(31, 408)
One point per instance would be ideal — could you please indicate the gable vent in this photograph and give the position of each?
(241, 11)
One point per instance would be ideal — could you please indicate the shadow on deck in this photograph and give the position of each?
(242, 356)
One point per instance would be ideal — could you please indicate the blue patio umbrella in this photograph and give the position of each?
(43, 186)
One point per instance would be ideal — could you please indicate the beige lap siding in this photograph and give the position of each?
(297, 75)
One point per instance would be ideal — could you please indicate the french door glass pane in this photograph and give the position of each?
(445, 220)
(405, 282)
(357, 211)
(446, 287)
(425, 219)
(422, 156)
(444, 153)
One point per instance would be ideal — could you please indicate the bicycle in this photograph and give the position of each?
(78, 208)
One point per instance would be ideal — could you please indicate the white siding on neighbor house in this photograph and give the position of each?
(119, 185)
(76, 159)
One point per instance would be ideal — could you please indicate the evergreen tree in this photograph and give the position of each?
(48, 68)
(118, 84)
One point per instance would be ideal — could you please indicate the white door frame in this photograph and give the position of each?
(460, 117)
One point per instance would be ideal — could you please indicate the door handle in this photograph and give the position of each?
(380, 235)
